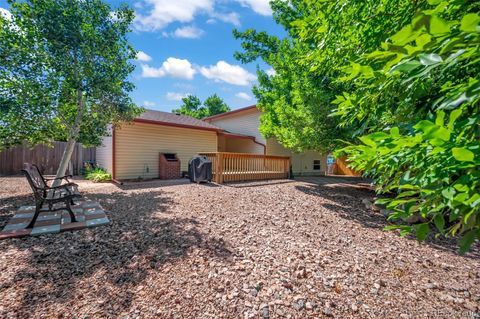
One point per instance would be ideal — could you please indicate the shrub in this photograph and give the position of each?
(421, 96)
(97, 174)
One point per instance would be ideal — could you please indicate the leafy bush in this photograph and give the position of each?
(429, 71)
(97, 174)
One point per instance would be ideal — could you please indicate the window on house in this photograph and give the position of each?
(316, 165)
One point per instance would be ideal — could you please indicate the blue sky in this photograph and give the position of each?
(186, 47)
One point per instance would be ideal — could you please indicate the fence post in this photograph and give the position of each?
(287, 169)
(219, 168)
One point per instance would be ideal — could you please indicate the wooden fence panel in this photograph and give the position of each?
(233, 167)
(341, 168)
(46, 157)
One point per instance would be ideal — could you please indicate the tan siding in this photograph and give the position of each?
(104, 153)
(137, 147)
(246, 123)
(237, 145)
(302, 163)
(275, 148)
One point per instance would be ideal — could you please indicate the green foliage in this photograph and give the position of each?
(323, 36)
(97, 174)
(192, 106)
(420, 94)
(64, 68)
(401, 80)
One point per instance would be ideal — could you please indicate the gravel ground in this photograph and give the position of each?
(283, 249)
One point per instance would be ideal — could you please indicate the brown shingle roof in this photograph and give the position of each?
(165, 118)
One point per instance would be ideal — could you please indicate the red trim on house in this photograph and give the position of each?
(113, 153)
(177, 125)
(214, 117)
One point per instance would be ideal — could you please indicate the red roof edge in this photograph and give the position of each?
(214, 117)
(177, 125)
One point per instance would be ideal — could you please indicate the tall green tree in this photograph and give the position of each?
(297, 100)
(401, 79)
(192, 106)
(420, 92)
(215, 105)
(64, 67)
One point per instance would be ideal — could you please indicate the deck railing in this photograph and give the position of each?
(233, 167)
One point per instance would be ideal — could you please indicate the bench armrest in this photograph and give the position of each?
(66, 177)
(63, 186)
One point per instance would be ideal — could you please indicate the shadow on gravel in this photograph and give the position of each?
(8, 206)
(348, 205)
(153, 183)
(257, 183)
(117, 258)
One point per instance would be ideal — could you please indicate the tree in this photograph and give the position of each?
(215, 105)
(401, 80)
(192, 106)
(424, 85)
(297, 100)
(64, 67)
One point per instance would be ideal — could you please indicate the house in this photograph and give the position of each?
(132, 150)
(246, 121)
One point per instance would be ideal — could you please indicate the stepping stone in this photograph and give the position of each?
(51, 229)
(97, 222)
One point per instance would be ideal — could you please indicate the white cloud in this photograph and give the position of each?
(232, 17)
(188, 32)
(259, 6)
(142, 56)
(186, 86)
(244, 96)
(174, 96)
(5, 13)
(163, 12)
(271, 72)
(177, 68)
(148, 103)
(232, 74)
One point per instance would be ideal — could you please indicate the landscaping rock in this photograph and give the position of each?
(285, 249)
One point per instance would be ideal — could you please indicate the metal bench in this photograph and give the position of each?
(50, 195)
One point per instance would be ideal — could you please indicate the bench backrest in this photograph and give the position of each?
(34, 177)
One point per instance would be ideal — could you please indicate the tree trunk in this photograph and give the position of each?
(72, 140)
(67, 155)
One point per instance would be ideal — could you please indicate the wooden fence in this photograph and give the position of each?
(233, 167)
(341, 168)
(47, 158)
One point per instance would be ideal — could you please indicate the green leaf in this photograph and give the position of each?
(422, 40)
(438, 26)
(470, 22)
(440, 118)
(422, 231)
(395, 132)
(439, 222)
(467, 240)
(406, 66)
(430, 59)
(403, 36)
(463, 154)
(453, 117)
(367, 141)
(448, 193)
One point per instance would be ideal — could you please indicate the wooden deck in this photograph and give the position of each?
(236, 167)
